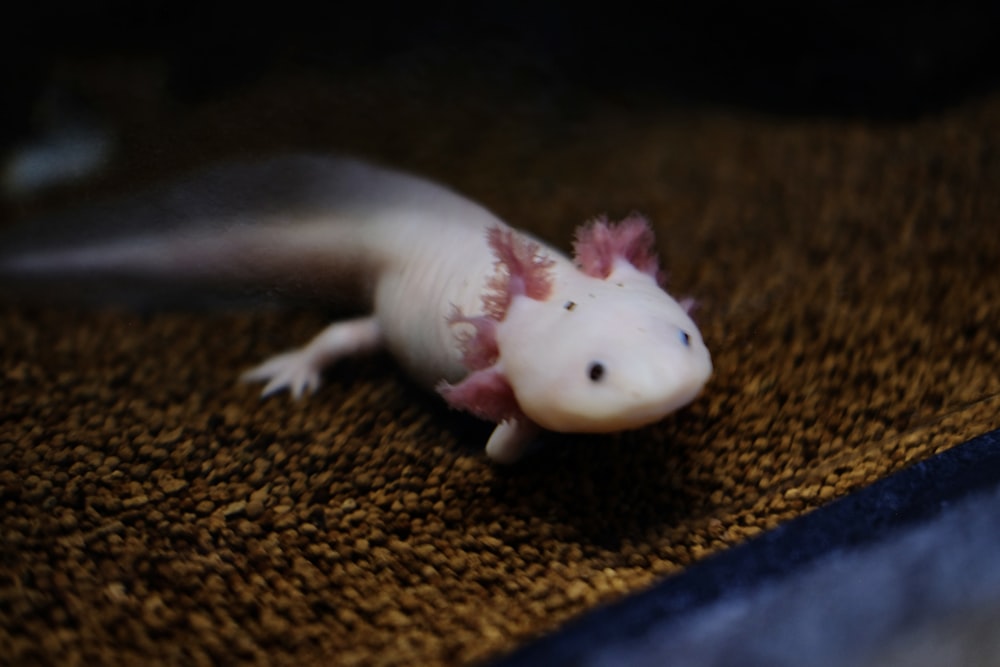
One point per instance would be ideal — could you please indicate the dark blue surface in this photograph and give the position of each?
(915, 494)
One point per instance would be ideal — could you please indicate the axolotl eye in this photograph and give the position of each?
(685, 338)
(595, 371)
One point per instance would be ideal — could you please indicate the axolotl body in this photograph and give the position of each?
(500, 324)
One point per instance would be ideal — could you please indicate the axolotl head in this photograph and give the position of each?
(598, 347)
(602, 354)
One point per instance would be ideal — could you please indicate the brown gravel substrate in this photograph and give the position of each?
(155, 512)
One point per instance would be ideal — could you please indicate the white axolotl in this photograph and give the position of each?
(501, 325)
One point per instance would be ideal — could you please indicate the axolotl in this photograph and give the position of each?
(500, 324)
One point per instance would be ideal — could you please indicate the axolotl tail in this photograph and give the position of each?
(287, 228)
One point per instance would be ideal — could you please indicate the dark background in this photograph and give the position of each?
(813, 58)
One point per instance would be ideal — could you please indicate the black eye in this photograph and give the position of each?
(685, 338)
(569, 305)
(595, 371)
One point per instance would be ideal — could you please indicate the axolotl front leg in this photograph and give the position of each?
(299, 370)
(511, 439)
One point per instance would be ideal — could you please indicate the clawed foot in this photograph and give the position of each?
(295, 371)
(299, 370)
